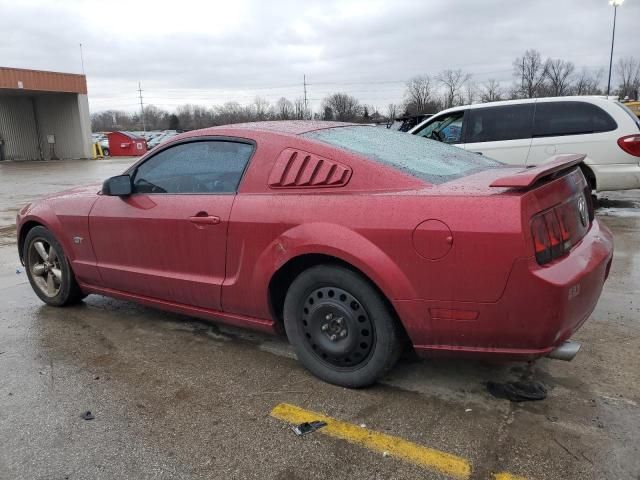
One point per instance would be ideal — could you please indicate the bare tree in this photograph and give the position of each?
(392, 111)
(101, 121)
(587, 83)
(491, 91)
(155, 118)
(453, 81)
(299, 110)
(343, 107)
(558, 73)
(418, 93)
(529, 70)
(233, 112)
(284, 109)
(374, 114)
(628, 69)
(261, 109)
(470, 92)
(193, 116)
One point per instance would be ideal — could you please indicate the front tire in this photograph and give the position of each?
(340, 326)
(48, 269)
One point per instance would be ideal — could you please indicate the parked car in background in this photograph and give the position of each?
(407, 122)
(162, 137)
(103, 141)
(527, 132)
(634, 106)
(295, 226)
(104, 144)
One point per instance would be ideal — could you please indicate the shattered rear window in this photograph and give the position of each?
(427, 159)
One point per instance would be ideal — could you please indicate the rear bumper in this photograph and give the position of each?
(541, 307)
(617, 176)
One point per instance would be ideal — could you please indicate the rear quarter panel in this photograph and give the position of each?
(374, 234)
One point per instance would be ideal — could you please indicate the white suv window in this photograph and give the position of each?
(493, 124)
(554, 119)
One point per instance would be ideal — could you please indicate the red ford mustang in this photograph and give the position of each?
(352, 238)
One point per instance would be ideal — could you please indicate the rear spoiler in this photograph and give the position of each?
(527, 177)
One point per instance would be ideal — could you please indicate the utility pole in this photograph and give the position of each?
(81, 59)
(616, 4)
(144, 128)
(304, 84)
(522, 81)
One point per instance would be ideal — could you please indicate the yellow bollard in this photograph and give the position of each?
(97, 151)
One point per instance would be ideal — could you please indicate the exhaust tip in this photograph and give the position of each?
(566, 351)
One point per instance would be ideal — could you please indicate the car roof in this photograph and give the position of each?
(576, 98)
(291, 127)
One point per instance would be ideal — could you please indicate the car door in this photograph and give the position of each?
(168, 239)
(446, 128)
(571, 127)
(500, 132)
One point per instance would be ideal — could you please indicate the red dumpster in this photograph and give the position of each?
(126, 144)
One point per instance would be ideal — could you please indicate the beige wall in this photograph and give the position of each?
(18, 128)
(27, 119)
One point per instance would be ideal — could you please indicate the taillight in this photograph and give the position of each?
(541, 239)
(558, 229)
(630, 144)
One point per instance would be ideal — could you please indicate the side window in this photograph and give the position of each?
(447, 128)
(570, 118)
(207, 166)
(494, 124)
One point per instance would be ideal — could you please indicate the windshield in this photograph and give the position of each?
(427, 159)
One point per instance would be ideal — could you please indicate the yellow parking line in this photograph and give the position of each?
(506, 476)
(436, 460)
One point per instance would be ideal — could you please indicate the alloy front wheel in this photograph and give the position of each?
(44, 264)
(49, 270)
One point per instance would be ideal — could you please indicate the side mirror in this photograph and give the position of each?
(118, 186)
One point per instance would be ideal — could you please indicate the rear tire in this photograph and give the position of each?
(48, 269)
(340, 326)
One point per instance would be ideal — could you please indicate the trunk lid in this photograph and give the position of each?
(557, 213)
(554, 199)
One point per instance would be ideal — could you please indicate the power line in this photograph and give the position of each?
(379, 91)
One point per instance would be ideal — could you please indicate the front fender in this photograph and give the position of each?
(45, 216)
(66, 216)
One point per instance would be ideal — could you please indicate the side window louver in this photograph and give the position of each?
(298, 169)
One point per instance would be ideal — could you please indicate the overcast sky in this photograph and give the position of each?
(215, 51)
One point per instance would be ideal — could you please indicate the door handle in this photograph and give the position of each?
(205, 219)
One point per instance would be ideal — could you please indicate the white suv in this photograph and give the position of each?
(528, 132)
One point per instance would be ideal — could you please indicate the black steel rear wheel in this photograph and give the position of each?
(337, 328)
(340, 326)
